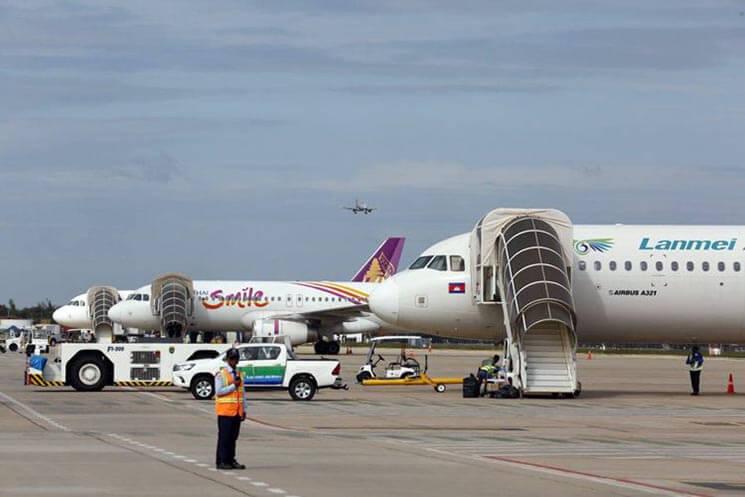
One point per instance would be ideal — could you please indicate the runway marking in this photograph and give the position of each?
(581, 475)
(34, 412)
(135, 443)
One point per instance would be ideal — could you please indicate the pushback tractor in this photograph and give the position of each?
(94, 366)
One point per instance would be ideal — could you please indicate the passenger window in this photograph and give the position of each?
(643, 265)
(627, 265)
(736, 267)
(612, 265)
(720, 266)
(457, 263)
(421, 262)
(582, 265)
(598, 265)
(705, 266)
(268, 353)
(690, 266)
(658, 266)
(439, 263)
(674, 265)
(249, 353)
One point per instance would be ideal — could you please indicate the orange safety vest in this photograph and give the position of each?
(230, 404)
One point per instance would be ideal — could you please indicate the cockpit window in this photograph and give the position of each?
(457, 263)
(145, 297)
(439, 263)
(131, 296)
(138, 297)
(421, 262)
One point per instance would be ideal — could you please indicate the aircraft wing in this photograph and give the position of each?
(328, 315)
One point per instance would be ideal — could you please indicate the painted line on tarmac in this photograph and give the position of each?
(33, 412)
(607, 480)
(181, 458)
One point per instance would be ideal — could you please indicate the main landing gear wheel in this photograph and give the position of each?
(322, 347)
(203, 387)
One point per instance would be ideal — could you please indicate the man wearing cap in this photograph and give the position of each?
(230, 407)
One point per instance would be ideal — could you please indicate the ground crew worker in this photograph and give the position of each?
(695, 361)
(230, 407)
(488, 370)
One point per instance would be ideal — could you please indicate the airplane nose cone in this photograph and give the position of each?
(116, 313)
(384, 301)
(58, 316)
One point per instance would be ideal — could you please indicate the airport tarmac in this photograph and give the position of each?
(634, 431)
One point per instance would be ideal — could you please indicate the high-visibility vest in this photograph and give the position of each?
(230, 404)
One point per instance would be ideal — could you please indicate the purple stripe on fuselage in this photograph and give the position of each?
(323, 289)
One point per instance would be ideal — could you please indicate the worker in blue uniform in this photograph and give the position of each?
(695, 362)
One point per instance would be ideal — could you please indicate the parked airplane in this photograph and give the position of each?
(304, 311)
(360, 207)
(629, 284)
(77, 313)
(529, 276)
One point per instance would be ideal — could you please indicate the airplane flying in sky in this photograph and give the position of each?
(304, 311)
(360, 208)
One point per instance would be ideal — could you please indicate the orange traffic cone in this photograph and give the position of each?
(589, 355)
(731, 384)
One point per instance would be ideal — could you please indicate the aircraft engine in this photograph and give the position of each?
(357, 325)
(298, 333)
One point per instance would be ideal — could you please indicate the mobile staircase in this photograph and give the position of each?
(521, 261)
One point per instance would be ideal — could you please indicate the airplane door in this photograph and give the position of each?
(267, 370)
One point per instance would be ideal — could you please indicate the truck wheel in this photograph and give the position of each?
(302, 388)
(88, 374)
(203, 387)
(333, 348)
(13, 347)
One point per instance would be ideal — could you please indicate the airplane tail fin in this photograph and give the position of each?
(383, 262)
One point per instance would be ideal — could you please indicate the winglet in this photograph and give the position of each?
(383, 263)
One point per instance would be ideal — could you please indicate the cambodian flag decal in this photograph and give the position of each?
(456, 288)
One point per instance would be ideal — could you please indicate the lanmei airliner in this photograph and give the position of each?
(533, 278)
(629, 284)
(303, 311)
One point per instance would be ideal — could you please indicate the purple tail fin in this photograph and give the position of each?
(383, 263)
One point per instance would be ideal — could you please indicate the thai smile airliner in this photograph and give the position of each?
(304, 311)
(630, 284)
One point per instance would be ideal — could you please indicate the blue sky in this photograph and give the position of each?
(220, 138)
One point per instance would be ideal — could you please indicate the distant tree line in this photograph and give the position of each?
(39, 312)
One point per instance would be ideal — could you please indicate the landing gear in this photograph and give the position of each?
(323, 347)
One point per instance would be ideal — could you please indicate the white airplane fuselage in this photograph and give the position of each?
(631, 284)
(75, 314)
(235, 305)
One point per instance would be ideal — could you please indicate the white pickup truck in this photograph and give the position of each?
(264, 366)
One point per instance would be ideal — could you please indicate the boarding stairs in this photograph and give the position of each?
(172, 300)
(100, 300)
(521, 262)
